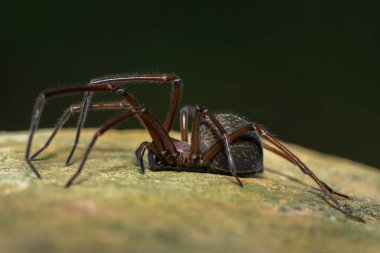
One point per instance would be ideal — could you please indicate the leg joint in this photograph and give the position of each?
(201, 108)
(98, 133)
(121, 91)
(42, 96)
(75, 108)
(188, 110)
(178, 83)
(225, 135)
(170, 77)
(141, 109)
(260, 129)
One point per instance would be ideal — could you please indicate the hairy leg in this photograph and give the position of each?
(177, 85)
(282, 151)
(75, 109)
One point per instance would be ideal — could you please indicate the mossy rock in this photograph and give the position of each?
(113, 208)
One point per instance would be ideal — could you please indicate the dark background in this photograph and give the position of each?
(307, 70)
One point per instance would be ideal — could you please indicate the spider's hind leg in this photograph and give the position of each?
(285, 156)
(282, 151)
(324, 187)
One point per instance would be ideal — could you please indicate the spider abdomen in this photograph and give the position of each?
(246, 151)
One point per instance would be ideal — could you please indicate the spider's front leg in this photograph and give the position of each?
(176, 95)
(161, 140)
(140, 151)
(122, 105)
(39, 106)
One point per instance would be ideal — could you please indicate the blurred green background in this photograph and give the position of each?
(307, 70)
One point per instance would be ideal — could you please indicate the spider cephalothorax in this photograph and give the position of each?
(220, 143)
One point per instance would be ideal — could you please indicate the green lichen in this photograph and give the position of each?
(113, 208)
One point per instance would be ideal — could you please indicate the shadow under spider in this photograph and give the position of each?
(294, 179)
(315, 191)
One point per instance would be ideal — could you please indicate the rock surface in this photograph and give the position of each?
(113, 208)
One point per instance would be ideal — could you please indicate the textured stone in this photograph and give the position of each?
(113, 208)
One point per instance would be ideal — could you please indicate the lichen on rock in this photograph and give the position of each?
(113, 208)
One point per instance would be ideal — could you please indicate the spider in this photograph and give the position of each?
(220, 143)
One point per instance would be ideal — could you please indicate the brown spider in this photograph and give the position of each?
(215, 141)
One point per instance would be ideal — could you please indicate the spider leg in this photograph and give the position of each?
(176, 95)
(140, 154)
(265, 134)
(195, 145)
(80, 124)
(161, 139)
(286, 154)
(185, 112)
(184, 122)
(100, 132)
(208, 155)
(195, 141)
(39, 106)
(159, 135)
(74, 109)
(286, 157)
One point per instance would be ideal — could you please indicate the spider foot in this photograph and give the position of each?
(239, 181)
